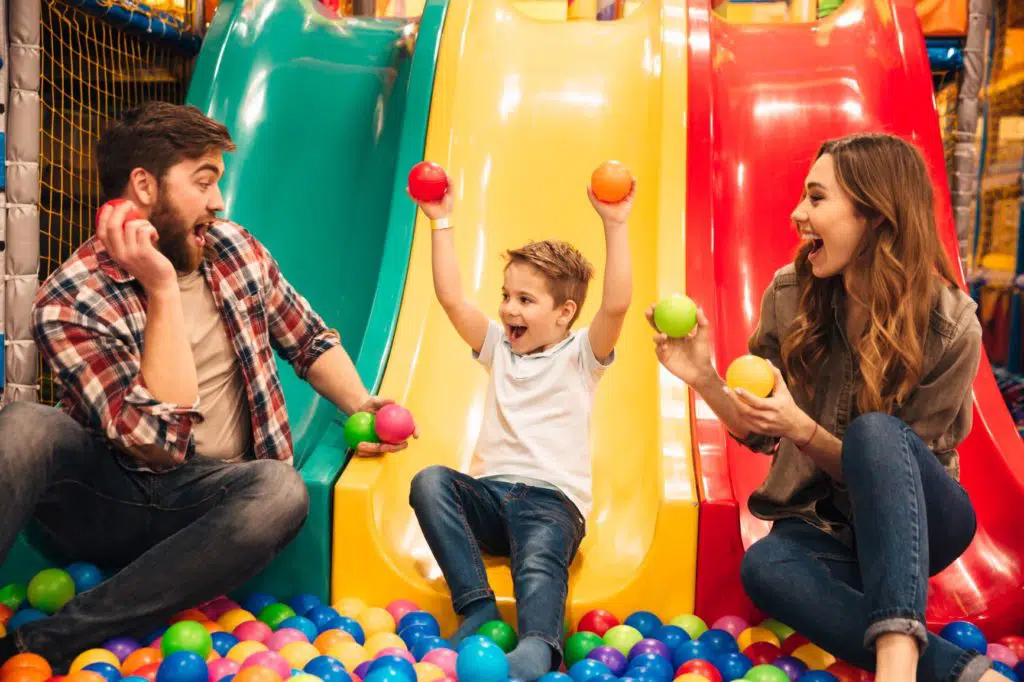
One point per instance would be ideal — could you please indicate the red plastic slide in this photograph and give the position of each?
(761, 100)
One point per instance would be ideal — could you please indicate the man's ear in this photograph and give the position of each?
(142, 188)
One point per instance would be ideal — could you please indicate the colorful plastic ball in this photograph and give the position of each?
(389, 674)
(733, 665)
(253, 631)
(611, 182)
(597, 621)
(720, 642)
(394, 651)
(284, 636)
(650, 646)
(413, 634)
(623, 638)
(352, 627)
(698, 666)
(1005, 670)
(781, 630)
(359, 429)
(303, 677)
(25, 675)
(122, 647)
(26, 661)
(232, 619)
(611, 657)
(147, 672)
(5, 614)
(186, 635)
(13, 595)
(419, 618)
(326, 640)
(651, 665)
(223, 642)
(400, 608)
(301, 603)
(555, 677)
(428, 672)
(579, 645)
(1000, 652)
(817, 676)
(243, 650)
(694, 649)
(814, 656)
(427, 182)
(302, 624)
(271, 660)
(274, 614)
(481, 663)
(222, 667)
(89, 676)
(94, 656)
(109, 672)
(349, 653)
(376, 620)
(400, 665)
(323, 667)
(585, 670)
(257, 601)
(362, 669)
(427, 644)
(671, 635)
(474, 640)
(793, 667)
(752, 373)
(1014, 643)
(734, 625)
(323, 617)
(675, 316)
(761, 653)
(140, 658)
(215, 608)
(793, 642)
(393, 424)
(692, 677)
(644, 622)
(24, 616)
(443, 659)
(766, 673)
(298, 654)
(183, 666)
(693, 625)
(845, 672)
(131, 678)
(501, 633)
(350, 607)
(50, 590)
(756, 634)
(256, 673)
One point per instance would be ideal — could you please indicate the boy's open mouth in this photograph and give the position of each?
(515, 331)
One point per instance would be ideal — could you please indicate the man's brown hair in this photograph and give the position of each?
(566, 270)
(155, 136)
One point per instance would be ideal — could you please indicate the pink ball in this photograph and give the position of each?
(253, 630)
(1000, 652)
(443, 659)
(222, 667)
(734, 625)
(400, 607)
(395, 651)
(283, 637)
(393, 424)
(215, 608)
(269, 659)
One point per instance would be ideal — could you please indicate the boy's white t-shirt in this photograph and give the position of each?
(536, 421)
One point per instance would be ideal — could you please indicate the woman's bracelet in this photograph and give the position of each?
(813, 434)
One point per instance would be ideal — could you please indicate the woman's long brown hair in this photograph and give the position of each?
(895, 266)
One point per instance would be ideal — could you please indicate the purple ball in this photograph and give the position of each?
(651, 646)
(122, 647)
(792, 666)
(362, 668)
(611, 657)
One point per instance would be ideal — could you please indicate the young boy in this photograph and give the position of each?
(530, 485)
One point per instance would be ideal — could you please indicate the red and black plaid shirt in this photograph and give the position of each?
(89, 321)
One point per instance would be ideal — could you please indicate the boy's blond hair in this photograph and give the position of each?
(567, 271)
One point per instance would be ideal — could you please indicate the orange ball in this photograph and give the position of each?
(89, 676)
(330, 638)
(190, 614)
(147, 671)
(140, 658)
(25, 662)
(257, 673)
(26, 675)
(611, 182)
(212, 627)
(5, 614)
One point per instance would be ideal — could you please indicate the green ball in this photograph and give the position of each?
(359, 429)
(675, 316)
(50, 590)
(694, 626)
(780, 630)
(766, 673)
(186, 635)
(12, 595)
(501, 633)
(623, 638)
(579, 645)
(274, 614)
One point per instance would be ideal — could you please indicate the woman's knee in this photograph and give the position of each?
(763, 569)
(871, 436)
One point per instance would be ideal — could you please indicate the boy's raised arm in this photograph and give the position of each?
(618, 275)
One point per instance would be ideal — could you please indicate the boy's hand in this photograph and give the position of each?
(435, 210)
(616, 214)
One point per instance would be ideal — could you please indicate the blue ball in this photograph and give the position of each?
(472, 640)
(352, 627)
(108, 671)
(818, 676)
(427, 644)
(653, 664)
(328, 669)
(323, 617)
(1019, 670)
(24, 616)
(965, 635)
(85, 576)
(301, 603)
(603, 677)
(732, 665)
(183, 666)
(400, 666)
(588, 668)
(134, 678)
(687, 651)
(223, 642)
(481, 663)
(388, 674)
(672, 636)
(413, 634)
(555, 677)
(720, 642)
(1005, 670)
(645, 622)
(419, 618)
(257, 601)
(302, 624)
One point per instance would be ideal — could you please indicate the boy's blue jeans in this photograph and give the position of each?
(910, 519)
(539, 528)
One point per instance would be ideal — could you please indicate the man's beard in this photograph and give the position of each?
(174, 233)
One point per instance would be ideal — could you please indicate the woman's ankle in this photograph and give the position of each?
(896, 657)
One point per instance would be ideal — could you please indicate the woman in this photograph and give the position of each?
(875, 349)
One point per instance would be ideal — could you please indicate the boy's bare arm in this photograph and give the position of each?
(618, 275)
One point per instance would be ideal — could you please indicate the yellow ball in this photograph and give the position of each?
(427, 672)
(94, 656)
(233, 618)
(304, 677)
(298, 654)
(243, 650)
(383, 640)
(350, 654)
(756, 634)
(350, 607)
(376, 620)
(691, 677)
(751, 373)
(814, 656)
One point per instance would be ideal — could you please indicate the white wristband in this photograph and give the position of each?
(440, 224)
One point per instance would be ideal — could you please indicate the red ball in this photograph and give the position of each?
(793, 642)
(1014, 643)
(845, 672)
(762, 653)
(147, 671)
(133, 214)
(427, 182)
(597, 621)
(393, 424)
(701, 667)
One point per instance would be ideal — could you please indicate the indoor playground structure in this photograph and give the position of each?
(716, 110)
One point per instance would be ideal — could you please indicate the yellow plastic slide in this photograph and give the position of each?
(523, 110)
